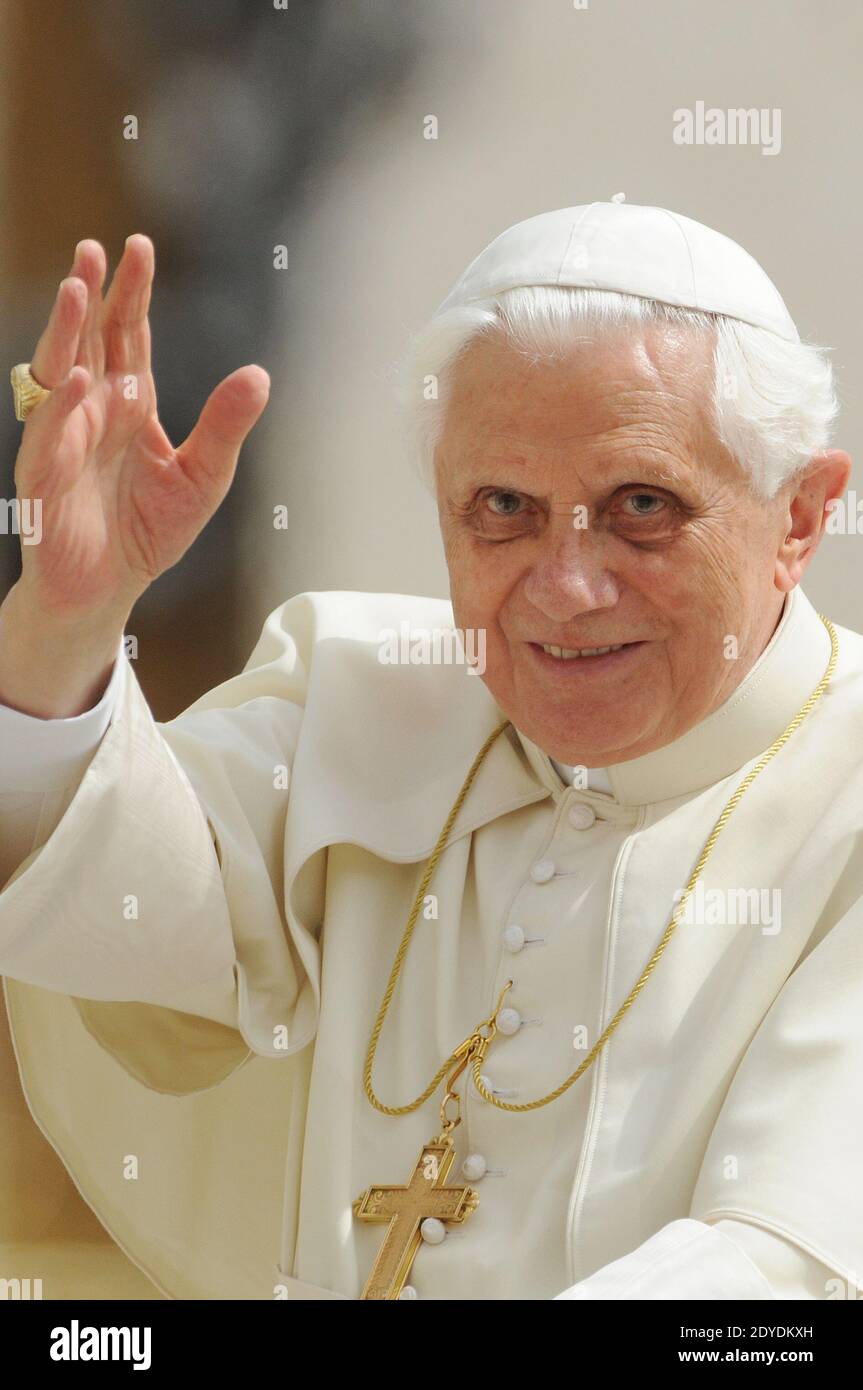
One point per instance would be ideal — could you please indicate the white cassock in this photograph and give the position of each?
(713, 1150)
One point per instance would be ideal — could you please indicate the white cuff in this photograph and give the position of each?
(686, 1259)
(42, 755)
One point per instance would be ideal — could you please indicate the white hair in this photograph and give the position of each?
(773, 402)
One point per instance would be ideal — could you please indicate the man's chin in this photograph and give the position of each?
(587, 746)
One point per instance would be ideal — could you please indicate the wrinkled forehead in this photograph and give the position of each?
(648, 389)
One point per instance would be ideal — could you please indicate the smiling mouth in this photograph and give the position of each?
(578, 653)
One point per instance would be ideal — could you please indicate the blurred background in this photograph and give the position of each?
(303, 124)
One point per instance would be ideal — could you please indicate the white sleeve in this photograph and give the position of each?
(152, 893)
(689, 1259)
(43, 755)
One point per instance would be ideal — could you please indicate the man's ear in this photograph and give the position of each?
(805, 514)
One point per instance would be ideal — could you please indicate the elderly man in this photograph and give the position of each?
(532, 975)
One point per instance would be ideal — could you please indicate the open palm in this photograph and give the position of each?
(119, 503)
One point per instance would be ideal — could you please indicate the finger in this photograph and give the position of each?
(209, 454)
(57, 348)
(90, 265)
(124, 325)
(44, 424)
(48, 416)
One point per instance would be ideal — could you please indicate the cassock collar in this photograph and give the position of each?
(752, 717)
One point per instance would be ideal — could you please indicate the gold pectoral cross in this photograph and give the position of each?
(406, 1207)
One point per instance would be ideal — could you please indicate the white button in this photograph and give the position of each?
(542, 870)
(432, 1230)
(508, 1021)
(514, 938)
(408, 1292)
(581, 816)
(474, 1167)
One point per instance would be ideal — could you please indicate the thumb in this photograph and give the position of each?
(210, 452)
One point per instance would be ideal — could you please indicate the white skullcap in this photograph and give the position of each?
(640, 250)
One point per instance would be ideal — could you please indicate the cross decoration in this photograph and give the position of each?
(405, 1208)
(426, 1195)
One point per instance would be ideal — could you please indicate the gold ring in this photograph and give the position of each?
(26, 390)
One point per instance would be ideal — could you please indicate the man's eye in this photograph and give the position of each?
(640, 497)
(509, 497)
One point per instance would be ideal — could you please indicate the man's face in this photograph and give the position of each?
(585, 504)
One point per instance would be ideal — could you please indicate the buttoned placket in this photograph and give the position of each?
(540, 943)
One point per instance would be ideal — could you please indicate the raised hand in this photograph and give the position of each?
(119, 503)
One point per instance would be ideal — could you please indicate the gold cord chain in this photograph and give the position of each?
(473, 1049)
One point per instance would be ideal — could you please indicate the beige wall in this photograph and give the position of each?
(541, 105)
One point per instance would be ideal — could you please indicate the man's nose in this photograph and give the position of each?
(571, 576)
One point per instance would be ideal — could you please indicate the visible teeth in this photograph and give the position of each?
(568, 653)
